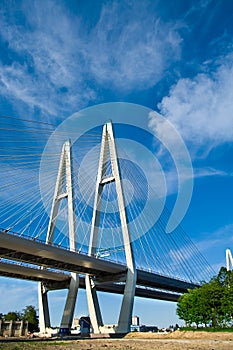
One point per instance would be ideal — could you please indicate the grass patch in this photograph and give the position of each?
(21, 345)
(207, 329)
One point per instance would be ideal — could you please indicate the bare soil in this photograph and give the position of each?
(135, 341)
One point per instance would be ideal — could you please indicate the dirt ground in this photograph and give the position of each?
(135, 341)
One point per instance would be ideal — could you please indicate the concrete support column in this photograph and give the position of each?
(93, 305)
(125, 317)
(44, 317)
(68, 313)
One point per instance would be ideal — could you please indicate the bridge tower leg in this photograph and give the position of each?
(44, 317)
(108, 147)
(63, 189)
(229, 259)
(68, 313)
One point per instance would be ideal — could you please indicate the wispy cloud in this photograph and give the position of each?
(223, 234)
(206, 172)
(215, 244)
(45, 70)
(132, 49)
(54, 62)
(11, 294)
(201, 108)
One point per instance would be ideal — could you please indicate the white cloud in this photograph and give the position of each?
(47, 61)
(208, 171)
(214, 245)
(17, 294)
(201, 108)
(131, 49)
(222, 235)
(56, 52)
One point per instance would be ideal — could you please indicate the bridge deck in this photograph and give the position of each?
(57, 280)
(8, 269)
(33, 252)
(21, 249)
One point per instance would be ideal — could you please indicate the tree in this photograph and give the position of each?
(184, 308)
(13, 316)
(212, 303)
(29, 314)
(226, 278)
(190, 308)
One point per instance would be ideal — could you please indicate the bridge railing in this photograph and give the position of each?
(86, 254)
(57, 245)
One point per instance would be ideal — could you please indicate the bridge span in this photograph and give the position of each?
(30, 251)
(110, 217)
(58, 280)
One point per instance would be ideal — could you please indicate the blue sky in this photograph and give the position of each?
(58, 57)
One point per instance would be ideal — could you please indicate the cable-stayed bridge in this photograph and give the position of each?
(93, 223)
(24, 250)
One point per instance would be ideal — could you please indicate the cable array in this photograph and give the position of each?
(23, 209)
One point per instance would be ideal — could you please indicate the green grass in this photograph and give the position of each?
(207, 329)
(30, 345)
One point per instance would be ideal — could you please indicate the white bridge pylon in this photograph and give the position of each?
(63, 189)
(108, 152)
(229, 259)
(108, 148)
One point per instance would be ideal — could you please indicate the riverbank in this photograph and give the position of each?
(134, 341)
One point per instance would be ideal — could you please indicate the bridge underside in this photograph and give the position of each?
(21, 249)
(47, 264)
(58, 280)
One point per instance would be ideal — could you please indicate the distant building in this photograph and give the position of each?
(85, 324)
(13, 328)
(135, 321)
(75, 323)
(75, 329)
(136, 327)
(152, 329)
(81, 325)
(143, 328)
